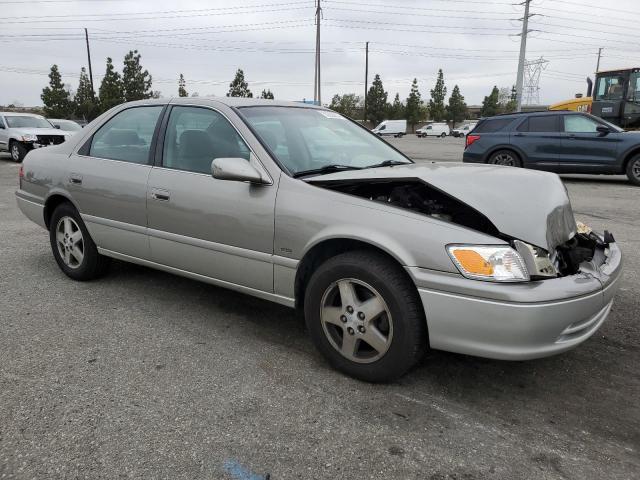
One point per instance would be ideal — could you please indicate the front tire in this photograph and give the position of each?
(506, 158)
(74, 250)
(365, 316)
(633, 170)
(17, 151)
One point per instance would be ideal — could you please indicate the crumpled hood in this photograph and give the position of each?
(529, 205)
(39, 131)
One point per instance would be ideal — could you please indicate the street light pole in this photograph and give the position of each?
(366, 80)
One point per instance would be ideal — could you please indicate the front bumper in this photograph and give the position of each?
(517, 321)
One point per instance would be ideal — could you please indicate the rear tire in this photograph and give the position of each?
(633, 170)
(442, 135)
(507, 158)
(75, 252)
(359, 297)
(17, 151)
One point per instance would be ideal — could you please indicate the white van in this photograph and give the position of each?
(397, 128)
(463, 130)
(434, 130)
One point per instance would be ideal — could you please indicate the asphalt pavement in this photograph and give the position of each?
(143, 374)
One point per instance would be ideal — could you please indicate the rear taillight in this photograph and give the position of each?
(471, 139)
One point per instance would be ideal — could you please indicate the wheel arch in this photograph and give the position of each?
(326, 249)
(52, 202)
(628, 156)
(509, 147)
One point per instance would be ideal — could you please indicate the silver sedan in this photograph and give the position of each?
(301, 206)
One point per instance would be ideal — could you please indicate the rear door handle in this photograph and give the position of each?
(160, 194)
(75, 178)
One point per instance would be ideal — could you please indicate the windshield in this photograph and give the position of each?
(67, 125)
(308, 139)
(27, 122)
(610, 87)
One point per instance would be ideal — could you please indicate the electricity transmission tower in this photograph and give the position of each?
(532, 71)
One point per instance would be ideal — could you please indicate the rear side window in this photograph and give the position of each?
(127, 136)
(540, 124)
(492, 125)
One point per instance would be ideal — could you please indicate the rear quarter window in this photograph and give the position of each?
(492, 125)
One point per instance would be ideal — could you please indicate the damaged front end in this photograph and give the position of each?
(571, 246)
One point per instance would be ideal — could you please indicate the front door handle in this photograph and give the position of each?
(160, 194)
(75, 178)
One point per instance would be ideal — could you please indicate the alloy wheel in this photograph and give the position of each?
(70, 242)
(505, 159)
(356, 320)
(15, 152)
(635, 169)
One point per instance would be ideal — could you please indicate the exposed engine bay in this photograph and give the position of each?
(419, 197)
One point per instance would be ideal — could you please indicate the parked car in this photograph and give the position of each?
(463, 130)
(433, 130)
(301, 206)
(397, 128)
(22, 132)
(555, 141)
(66, 125)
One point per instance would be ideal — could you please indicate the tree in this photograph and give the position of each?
(346, 104)
(239, 88)
(111, 91)
(267, 94)
(182, 91)
(55, 97)
(136, 82)
(376, 101)
(457, 109)
(414, 110)
(437, 110)
(512, 103)
(84, 101)
(396, 109)
(491, 104)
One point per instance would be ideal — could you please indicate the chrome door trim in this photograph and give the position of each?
(286, 301)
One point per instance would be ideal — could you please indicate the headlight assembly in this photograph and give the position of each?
(493, 263)
(29, 137)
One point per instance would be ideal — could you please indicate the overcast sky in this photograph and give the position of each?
(475, 43)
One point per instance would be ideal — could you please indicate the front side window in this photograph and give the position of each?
(305, 139)
(610, 87)
(127, 136)
(24, 121)
(580, 124)
(196, 136)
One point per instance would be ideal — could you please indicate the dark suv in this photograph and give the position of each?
(560, 141)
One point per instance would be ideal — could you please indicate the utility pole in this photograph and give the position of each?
(317, 97)
(523, 53)
(366, 80)
(86, 37)
(599, 55)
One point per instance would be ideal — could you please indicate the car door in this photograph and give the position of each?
(540, 139)
(4, 136)
(585, 149)
(107, 179)
(220, 229)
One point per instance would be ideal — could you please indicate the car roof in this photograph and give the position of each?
(536, 113)
(19, 114)
(238, 102)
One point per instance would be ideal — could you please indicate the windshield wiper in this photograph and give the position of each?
(388, 163)
(326, 169)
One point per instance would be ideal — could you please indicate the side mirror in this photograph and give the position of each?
(236, 169)
(57, 126)
(603, 130)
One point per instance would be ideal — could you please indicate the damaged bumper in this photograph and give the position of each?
(518, 321)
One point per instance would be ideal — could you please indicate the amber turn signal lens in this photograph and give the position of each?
(473, 262)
